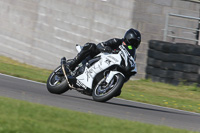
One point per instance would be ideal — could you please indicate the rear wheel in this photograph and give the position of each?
(56, 82)
(105, 91)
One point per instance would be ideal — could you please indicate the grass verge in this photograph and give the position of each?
(24, 117)
(179, 97)
(14, 68)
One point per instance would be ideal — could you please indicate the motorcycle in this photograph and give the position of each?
(101, 77)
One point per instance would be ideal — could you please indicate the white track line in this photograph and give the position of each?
(22, 79)
(114, 98)
(160, 106)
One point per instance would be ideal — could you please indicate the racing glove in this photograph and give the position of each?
(106, 49)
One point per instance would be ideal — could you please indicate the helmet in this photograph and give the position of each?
(132, 38)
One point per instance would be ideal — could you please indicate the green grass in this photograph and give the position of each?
(180, 97)
(23, 117)
(14, 68)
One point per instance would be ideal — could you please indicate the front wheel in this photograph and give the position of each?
(56, 82)
(105, 91)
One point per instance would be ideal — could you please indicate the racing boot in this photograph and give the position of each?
(88, 49)
(74, 62)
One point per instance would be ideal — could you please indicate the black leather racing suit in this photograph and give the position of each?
(91, 49)
(112, 43)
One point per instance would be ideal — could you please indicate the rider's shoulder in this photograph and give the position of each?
(115, 40)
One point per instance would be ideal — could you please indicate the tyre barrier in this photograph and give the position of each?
(178, 48)
(173, 63)
(173, 57)
(176, 66)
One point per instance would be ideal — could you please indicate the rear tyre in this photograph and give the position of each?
(56, 82)
(105, 91)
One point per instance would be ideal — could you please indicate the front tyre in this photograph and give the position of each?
(105, 91)
(56, 82)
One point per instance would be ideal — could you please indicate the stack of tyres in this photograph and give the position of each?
(173, 63)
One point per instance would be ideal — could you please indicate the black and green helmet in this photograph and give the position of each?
(132, 38)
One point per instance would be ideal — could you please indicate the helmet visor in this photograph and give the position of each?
(133, 42)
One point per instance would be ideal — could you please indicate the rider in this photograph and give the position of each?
(131, 41)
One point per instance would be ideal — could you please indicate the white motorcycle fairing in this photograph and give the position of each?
(107, 60)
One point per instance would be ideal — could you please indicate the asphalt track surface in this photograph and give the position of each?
(37, 93)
